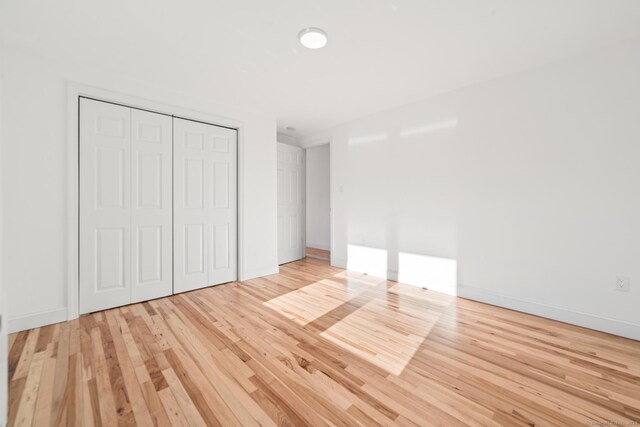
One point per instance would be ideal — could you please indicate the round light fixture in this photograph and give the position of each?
(313, 38)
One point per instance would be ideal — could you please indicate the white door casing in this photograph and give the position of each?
(125, 205)
(290, 203)
(105, 205)
(205, 205)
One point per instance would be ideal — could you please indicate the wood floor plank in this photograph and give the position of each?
(42, 416)
(318, 254)
(139, 405)
(172, 408)
(187, 406)
(16, 390)
(96, 416)
(26, 408)
(25, 358)
(105, 397)
(316, 345)
(193, 389)
(59, 413)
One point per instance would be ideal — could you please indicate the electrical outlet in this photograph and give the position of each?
(623, 283)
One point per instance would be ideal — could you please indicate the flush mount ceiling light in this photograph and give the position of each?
(312, 38)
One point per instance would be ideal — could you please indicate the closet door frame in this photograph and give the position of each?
(75, 91)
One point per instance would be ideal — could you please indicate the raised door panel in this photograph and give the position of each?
(151, 216)
(194, 183)
(110, 259)
(105, 205)
(149, 255)
(194, 245)
(149, 180)
(221, 185)
(110, 177)
(294, 231)
(293, 187)
(221, 247)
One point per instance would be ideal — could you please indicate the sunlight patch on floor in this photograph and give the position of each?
(306, 304)
(386, 331)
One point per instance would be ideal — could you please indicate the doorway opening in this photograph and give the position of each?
(318, 202)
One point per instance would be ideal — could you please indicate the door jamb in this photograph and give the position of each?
(327, 140)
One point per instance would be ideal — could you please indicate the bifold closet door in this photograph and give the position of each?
(151, 205)
(205, 205)
(125, 205)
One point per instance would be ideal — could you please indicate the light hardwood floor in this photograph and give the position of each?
(315, 345)
(318, 254)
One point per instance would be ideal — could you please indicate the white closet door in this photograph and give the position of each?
(205, 205)
(105, 205)
(290, 203)
(125, 205)
(151, 204)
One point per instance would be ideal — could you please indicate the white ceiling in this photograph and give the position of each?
(381, 53)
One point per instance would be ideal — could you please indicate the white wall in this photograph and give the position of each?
(318, 203)
(530, 184)
(3, 302)
(286, 139)
(34, 168)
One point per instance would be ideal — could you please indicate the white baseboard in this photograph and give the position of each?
(319, 246)
(562, 314)
(48, 317)
(338, 262)
(259, 272)
(36, 320)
